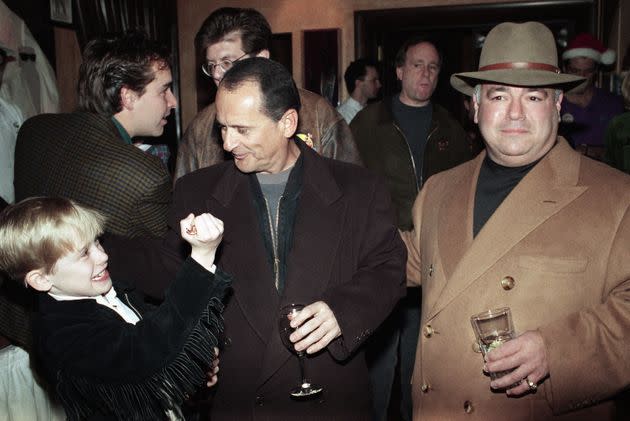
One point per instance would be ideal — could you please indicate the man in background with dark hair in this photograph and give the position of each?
(231, 34)
(406, 139)
(363, 84)
(124, 91)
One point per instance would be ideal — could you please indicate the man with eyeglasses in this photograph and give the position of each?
(587, 109)
(363, 84)
(228, 35)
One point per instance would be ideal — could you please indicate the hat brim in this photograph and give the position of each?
(465, 82)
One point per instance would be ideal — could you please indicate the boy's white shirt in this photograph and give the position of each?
(109, 300)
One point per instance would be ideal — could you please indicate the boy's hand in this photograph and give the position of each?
(204, 233)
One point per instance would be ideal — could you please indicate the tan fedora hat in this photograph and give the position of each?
(517, 54)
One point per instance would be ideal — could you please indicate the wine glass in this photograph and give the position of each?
(306, 388)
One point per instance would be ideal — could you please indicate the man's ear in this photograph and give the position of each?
(128, 98)
(399, 72)
(263, 53)
(38, 280)
(289, 122)
(559, 102)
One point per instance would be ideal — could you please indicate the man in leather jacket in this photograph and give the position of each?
(230, 34)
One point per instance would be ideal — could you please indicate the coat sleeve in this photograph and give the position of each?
(588, 350)
(153, 262)
(364, 302)
(200, 146)
(187, 160)
(149, 218)
(412, 240)
(157, 361)
(337, 141)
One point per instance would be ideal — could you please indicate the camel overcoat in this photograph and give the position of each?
(557, 252)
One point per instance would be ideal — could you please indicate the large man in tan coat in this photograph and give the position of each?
(532, 225)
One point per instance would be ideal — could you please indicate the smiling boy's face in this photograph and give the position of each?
(81, 273)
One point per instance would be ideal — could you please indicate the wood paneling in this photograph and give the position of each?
(67, 65)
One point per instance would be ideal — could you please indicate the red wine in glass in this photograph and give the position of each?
(306, 388)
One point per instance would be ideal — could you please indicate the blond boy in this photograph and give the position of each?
(107, 353)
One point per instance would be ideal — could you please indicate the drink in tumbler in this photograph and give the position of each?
(492, 329)
(492, 341)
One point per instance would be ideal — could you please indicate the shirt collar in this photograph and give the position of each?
(123, 133)
(110, 295)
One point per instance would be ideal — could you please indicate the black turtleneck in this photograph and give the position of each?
(494, 184)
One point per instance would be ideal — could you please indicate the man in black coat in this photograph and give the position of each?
(299, 228)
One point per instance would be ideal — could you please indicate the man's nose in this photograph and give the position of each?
(217, 74)
(229, 142)
(515, 110)
(171, 101)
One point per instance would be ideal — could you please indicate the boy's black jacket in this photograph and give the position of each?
(105, 368)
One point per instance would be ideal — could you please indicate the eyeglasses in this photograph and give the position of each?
(370, 80)
(225, 65)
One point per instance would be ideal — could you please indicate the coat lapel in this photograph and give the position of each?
(254, 291)
(550, 186)
(455, 219)
(316, 238)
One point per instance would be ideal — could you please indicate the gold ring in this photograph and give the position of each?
(532, 386)
(192, 230)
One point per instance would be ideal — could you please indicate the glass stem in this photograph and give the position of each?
(303, 371)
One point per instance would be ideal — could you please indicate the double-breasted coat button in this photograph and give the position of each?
(468, 407)
(260, 401)
(428, 331)
(425, 388)
(507, 283)
(227, 342)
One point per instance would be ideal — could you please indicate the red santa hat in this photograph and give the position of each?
(586, 45)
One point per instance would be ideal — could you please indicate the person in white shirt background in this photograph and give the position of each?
(363, 84)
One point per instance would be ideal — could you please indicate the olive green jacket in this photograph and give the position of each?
(385, 150)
